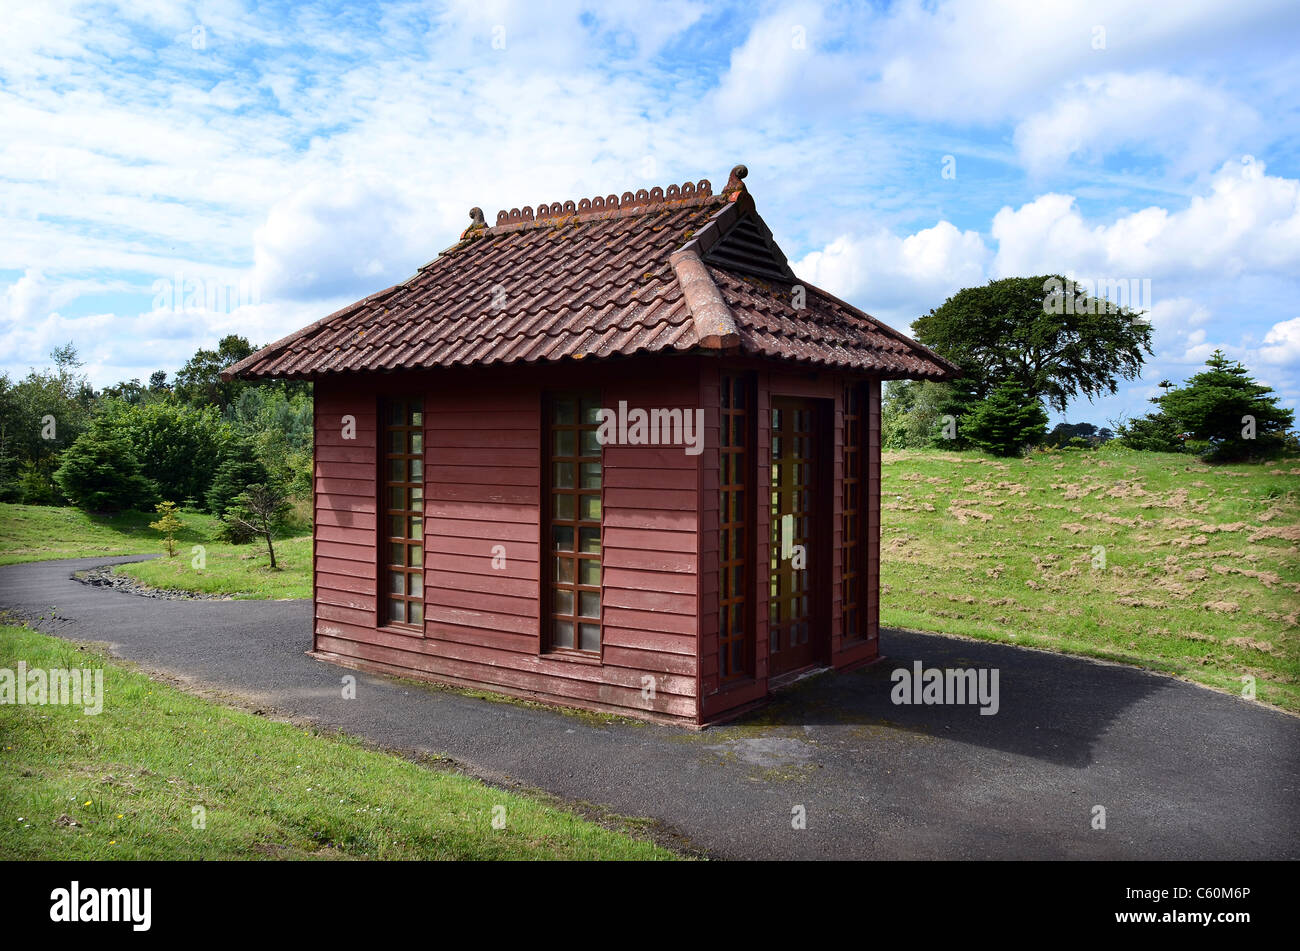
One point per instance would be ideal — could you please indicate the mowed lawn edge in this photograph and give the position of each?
(1154, 560)
(163, 774)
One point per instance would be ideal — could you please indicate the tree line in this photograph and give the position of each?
(1023, 346)
(199, 441)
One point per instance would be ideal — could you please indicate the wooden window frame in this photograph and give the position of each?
(853, 508)
(552, 588)
(412, 547)
(739, 462)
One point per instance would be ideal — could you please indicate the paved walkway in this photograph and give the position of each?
(1182, 772)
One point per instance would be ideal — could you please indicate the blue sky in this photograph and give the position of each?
(292, 158)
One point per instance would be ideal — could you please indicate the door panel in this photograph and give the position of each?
(796, 533)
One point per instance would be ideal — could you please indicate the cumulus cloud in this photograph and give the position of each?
(26, 299)
(895, 276)
(1282, 344)
(1248, 222)
(986, 60)
(343, 238)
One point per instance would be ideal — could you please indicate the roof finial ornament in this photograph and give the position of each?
(476, 223)
(734, 183)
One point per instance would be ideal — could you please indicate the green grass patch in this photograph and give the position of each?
(1200, 577)
(40, 533)
(124, 784)
(243, 571)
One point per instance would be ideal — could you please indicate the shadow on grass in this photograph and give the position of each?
(135, 525)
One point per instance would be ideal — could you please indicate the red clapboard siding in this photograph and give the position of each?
(457, 564)
(650, 540)
(548, 685)
(663, 479)
(668, 581)
(480, 547)
(653, 519)
(640, 599)
(651, 560)
(345, 492)
(655, 641)
(484, 474)
(479, 438)
(482, 493)
(469, 475)
(348, 536)
(436, 592)
(495, 621)
(459, 581)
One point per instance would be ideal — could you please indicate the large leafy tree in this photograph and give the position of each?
(1227, 411)
(1045, 333)
(40, 416)
(179, 446)
(199, 382)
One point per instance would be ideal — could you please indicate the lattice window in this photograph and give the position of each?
(735, 604)
(853, 504)
(573, 549)
(402, 527)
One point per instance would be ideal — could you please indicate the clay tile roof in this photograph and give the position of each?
(672, 269)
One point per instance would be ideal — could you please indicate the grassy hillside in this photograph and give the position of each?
(38, 533)
(42, 532)
(124, 784)
(1201, 574)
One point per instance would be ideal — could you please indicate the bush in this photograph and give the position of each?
(1154, 432)
(1006, 422)
(100, 473)
(912, 414)
(179, 446)
(233, 532)
(35, 484)
(239, 469)
(1226, 414)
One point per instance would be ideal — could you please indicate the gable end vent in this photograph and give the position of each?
(748, 248)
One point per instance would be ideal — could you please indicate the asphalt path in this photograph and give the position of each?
(1181, 772)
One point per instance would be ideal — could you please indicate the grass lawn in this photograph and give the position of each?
(123, 784)
(240, 570)
(42, 532)
(38, 533)
(1201, 574)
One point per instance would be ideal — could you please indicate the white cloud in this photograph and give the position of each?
(1147, 112)
(987, 60)
(26, 299)
(327, 239)
(894, 277)
(1248, 222)
(1282, 344)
